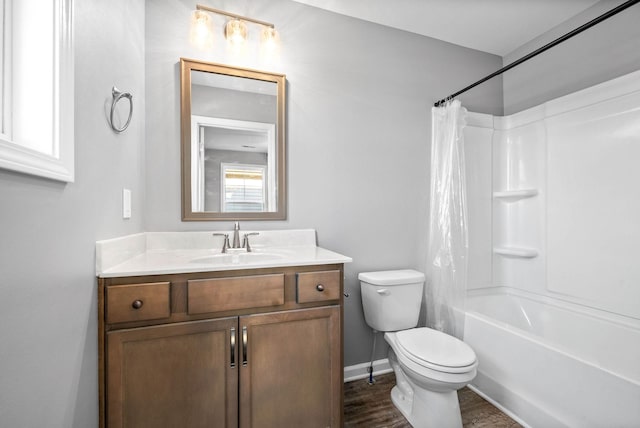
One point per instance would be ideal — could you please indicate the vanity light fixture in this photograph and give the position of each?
(201, 29)
(235, 30)
(269, 37)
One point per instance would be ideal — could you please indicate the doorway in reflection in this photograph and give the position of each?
(232, 165)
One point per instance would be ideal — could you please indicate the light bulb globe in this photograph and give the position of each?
(236, 31)
(201, 33)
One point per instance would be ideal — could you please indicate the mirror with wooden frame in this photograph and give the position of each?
(233, 143)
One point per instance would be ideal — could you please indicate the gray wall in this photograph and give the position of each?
(230, 104)
(48, 324)
(358, 129)
(608, 50)
(358, 135)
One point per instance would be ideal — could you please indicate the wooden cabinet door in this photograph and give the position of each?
(291, 369)
(173, 375)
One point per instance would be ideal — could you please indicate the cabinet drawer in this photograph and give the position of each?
(227, 294)
(318, 286)
(137, 302)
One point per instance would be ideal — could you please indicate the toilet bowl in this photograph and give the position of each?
(425, 391)
(429, 365)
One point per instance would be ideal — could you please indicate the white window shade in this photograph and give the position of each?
(243, 188)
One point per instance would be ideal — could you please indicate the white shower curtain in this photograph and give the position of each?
(448, 242)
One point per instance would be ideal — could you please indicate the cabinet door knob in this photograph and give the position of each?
(137, 304)
(320, 287)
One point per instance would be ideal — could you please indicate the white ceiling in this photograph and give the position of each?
(494, 26)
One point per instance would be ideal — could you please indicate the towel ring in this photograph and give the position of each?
(117, 95)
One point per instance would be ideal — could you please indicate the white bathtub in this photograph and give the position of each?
(552, 363)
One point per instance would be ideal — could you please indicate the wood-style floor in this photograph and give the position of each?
(370, 406)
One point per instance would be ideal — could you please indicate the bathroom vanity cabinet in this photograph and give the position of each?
(236, 348)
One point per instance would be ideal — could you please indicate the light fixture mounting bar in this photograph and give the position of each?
(233, 15)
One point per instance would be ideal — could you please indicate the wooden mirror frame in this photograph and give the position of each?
(188, 65)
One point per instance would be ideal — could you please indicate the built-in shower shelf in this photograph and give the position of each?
(514, 195)
(520, 252)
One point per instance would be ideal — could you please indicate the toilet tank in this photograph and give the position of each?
(391, 299)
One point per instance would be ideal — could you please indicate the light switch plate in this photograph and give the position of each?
(126, 203)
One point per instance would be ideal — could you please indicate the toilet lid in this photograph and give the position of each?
(435, 347)
(392, 277)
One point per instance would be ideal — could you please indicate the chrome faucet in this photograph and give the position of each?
(236, 235)
(236, 239)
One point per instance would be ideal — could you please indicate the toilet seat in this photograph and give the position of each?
(425, 373)
(436, 350)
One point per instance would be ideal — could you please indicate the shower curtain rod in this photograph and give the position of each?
(538, 51)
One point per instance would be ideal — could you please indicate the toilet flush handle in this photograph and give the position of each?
(383, 291)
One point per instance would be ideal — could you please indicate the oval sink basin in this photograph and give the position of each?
(217, 259)
(241, 258)
(258, 257)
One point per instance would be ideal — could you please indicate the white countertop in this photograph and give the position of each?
(155, 253)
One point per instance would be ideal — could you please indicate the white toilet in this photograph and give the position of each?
(430, 366)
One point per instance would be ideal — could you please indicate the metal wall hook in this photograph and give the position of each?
(117, 96)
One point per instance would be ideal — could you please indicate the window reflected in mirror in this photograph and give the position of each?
(243, 188)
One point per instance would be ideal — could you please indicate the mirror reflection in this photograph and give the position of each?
(232, 143)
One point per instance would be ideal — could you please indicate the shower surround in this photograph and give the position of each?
(554, 204)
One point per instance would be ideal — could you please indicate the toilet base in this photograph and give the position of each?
(424, 408)
(401, 402)
(444, 412)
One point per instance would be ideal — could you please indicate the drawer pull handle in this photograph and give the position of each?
(320, 287)
(137, 304)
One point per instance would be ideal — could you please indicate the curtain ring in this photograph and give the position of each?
(117, 95)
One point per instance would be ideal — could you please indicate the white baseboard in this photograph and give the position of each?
(361, 371)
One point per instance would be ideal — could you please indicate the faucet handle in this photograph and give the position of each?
(225, 241)
(245, 241)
